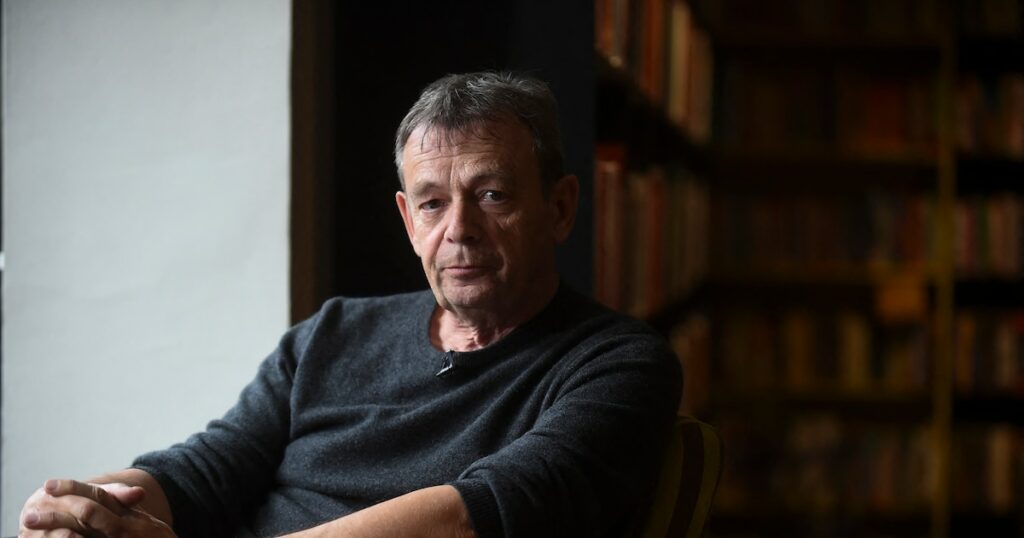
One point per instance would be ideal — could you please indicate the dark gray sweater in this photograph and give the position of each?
(555, 430)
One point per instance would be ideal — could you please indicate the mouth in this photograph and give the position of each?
(466, 271)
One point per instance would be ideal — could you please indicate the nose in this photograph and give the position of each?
(463, 222)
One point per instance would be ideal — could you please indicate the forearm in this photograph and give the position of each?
(155, 501)
(434, 512)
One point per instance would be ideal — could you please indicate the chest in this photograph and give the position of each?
(380, 423)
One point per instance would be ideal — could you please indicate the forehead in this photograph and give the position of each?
(505, 142)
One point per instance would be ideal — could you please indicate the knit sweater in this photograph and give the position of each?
(554, 430)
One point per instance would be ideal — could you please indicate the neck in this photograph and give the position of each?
(467, 330)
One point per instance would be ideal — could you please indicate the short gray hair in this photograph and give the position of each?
(455, 103)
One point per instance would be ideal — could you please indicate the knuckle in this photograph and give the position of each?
(84, 512)
(99, 493)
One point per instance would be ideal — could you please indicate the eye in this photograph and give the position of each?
(431, 205)
(494, 196)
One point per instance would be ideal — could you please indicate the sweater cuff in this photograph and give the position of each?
(176, 499)
(482, 507)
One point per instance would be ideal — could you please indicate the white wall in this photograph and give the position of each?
(145, 168)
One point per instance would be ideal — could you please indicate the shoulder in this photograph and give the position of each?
(596, 323)
(398, 306)
(353, 316)
(593, 335)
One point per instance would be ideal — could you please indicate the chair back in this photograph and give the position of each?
(690, 471)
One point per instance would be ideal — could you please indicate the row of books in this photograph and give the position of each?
(993, 18)
(990, 113)
(803, 109)
(650, 233)
(887, 115)
(807, 351)
(989, 231)
(988, 469)
(827, 18)
(663, 48)
(822, 465)
(807, 233)
(989, 352)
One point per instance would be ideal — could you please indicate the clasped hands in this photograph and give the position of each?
(68, 508)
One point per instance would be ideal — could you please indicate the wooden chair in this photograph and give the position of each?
(686, 487)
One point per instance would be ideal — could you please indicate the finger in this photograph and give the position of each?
(61, 488)
(127, 495)
(76, 513)
(51, 521)
(62, 533)
(59, 533)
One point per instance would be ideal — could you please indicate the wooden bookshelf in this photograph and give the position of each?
(862, 182)
(987, 430)
(784, 523)
(885, 406)
(990, 408)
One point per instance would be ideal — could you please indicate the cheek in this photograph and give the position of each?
(428, 242)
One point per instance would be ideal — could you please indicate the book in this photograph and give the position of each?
(989, 352)
(987, 235)
(823, 235)
(990, 114)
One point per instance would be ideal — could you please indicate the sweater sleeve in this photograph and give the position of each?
(588, 465)
(215, 475)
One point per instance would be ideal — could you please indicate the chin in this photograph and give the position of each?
(469, 296)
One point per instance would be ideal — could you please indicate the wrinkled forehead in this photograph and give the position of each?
(432, 138)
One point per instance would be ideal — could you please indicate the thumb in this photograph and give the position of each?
(126, 495)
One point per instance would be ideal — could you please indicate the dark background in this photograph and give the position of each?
(357, 68)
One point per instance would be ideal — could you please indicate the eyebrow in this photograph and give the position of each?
(424, 186)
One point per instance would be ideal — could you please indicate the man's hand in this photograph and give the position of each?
(68, 508)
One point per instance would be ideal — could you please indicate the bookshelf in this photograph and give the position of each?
(987, 476)
(650, 196)
(827, 209)
(851, 318)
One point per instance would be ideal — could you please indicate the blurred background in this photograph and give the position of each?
(819, 202)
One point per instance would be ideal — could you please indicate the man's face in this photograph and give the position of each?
(478, 218)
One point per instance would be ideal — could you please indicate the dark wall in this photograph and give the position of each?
(555, 41)
(385, 53)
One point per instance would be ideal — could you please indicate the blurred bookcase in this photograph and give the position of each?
(822, 204)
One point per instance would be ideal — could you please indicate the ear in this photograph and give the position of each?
(565, 194)
(403, 209)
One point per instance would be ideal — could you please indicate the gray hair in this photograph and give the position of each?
(455, 103)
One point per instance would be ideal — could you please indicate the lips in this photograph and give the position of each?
(466, 271)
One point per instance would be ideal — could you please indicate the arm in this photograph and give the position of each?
(199, 486)
(589, 463)
(212, 478)
(434, 512)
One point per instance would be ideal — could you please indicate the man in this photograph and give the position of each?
(500, 403)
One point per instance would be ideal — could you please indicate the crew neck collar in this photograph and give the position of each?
(547, 317)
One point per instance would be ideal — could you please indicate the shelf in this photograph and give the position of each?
(986, 523)
(989, 409)
(792, 47)
(799, 275)
(995, 292)
(991, 54)
(820, 170)
(856, 287)
(790, 523)
(643, 124)
(877, 406)
(987, 174)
